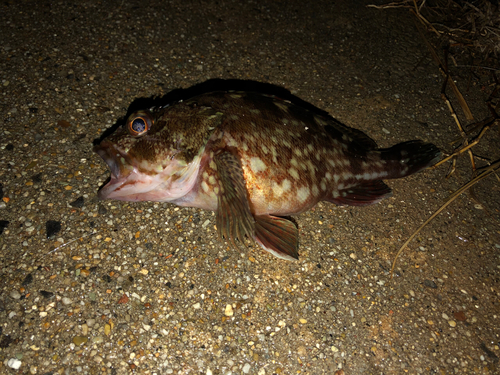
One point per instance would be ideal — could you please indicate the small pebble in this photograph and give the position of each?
(246, 368)
(3, 223)
(67, 301)
(53, 227)
(229, 310)
(14, 363)
(15, 294)
(452, 323)
(78, 202)
(79, 340)
(430, 284)
(27, 280)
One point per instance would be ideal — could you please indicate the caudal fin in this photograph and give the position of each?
(407, 158)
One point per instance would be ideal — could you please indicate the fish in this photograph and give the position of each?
(254, 159)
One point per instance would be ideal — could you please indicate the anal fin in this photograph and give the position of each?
(277, 235)
(362, 195)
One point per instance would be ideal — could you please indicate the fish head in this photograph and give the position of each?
(148, 159)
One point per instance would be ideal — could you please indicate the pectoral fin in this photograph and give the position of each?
(234, 218)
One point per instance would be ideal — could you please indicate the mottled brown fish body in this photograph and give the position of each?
(252, 158)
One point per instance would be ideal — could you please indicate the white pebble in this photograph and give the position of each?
(15, 294)
(67, 301)
(229, 310)
(14, 363)
(246, 368)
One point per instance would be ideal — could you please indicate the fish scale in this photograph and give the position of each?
(254, 159)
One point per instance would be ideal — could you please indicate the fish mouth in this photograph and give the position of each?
(119, 165)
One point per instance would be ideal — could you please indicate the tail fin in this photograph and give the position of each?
(407, 158)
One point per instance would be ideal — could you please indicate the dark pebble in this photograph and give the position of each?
(3, 225)
(77, 203)
(6, 341)
(169, 284)
(9, 147)
(27, 280)
(1, 191)
(489, 353)
(102, 210)
(46, 294)
(33, 109)
(107, 278)
(430, 284)
(53, 227)
(37, 178)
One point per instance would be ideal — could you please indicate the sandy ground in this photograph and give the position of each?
(148, 288)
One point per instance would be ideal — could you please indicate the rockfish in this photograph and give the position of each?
(254, 159)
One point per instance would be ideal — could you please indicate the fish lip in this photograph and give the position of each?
(111, 155)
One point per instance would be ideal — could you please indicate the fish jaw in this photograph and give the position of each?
(131, 181)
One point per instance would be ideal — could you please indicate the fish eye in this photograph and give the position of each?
(138, 124)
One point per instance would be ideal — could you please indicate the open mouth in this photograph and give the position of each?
(117, 162)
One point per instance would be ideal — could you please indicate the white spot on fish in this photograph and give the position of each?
(280, 189)
(315, 190)
(275, 155)
(294, 163)
(234, 117)
(319, 120)
(346, 175)
(287, 185)
(303, 194)
(211, 179)
(255, 111)
(297, 152)
(281, 106)
(285, 121)
(204, 186)
(335, 194)
(323, 185)
(257, 165)
(293, 172)
(264, 149)
(235, 96)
